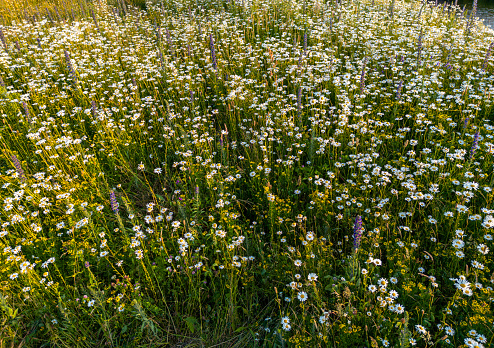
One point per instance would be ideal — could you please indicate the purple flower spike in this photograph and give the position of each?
(2, 38)
(162, 60)
(299, 102)
(170, 43)
(305, 43)
(398, 91)
(475, 144)
(95, 20)
(93, 108)
(18, 168)
(213, 53)
(419, 47)
(26, 110)
(357, 232)
(113, 202)
(487, 55)
(72, 73)
(362, 76)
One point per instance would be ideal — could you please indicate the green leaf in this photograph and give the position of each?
(161, 197)
(240, 329)
(191, 322)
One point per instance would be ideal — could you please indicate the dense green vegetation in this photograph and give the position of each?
(245, 173)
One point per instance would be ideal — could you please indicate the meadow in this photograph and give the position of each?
(245, 173)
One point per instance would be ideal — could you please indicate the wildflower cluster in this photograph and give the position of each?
(317, 172)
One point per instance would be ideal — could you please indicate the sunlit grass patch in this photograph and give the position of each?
(32, 10)
(138, 3)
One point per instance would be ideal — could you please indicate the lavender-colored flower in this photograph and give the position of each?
(191, 92)
(357, 232)
(17, 45)
(391, 8)
(299, 102)
(362, 76)
(48, 14)
(466, 122)
(472, 15)
(58, 14)
(475, 144)
(39, 43)
(197, 189)
(2, 38)
(213, 53)
(26, 110)
(86, 264)
(72, 73)
(18, 168)
(83, 13)
(158, 32)
(124, 7)
(95, 20)
(160, 54)
(419, 48)
(487, 55)
(170, 43)
(113, 202)
(299, 64)
(93, 108)
(398, 91)
(305, 43)
(1, 82)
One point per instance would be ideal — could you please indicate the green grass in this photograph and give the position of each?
(193, 174)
